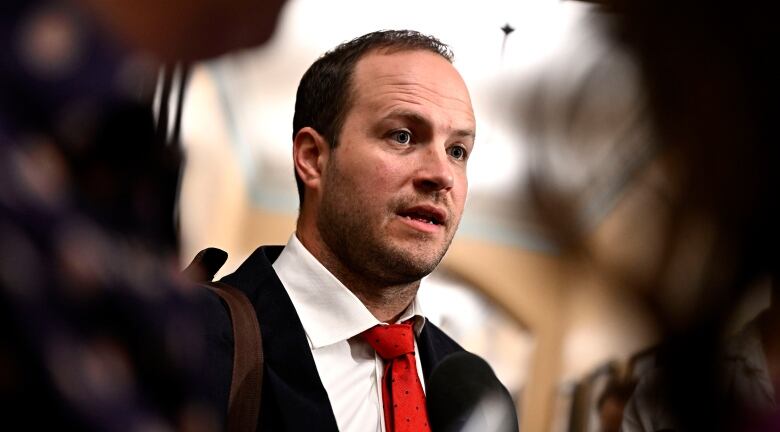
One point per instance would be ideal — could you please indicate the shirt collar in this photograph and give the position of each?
(328, 310)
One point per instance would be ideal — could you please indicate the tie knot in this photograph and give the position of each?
(391, 341)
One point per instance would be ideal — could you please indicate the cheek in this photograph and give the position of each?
(460, 191)
(369, 186)
(382, 175)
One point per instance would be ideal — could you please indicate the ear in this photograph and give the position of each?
(310, 155)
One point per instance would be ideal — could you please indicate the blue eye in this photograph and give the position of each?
(457, 152)
(402, 136)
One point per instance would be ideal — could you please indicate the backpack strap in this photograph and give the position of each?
(247, 380)
(246, 383)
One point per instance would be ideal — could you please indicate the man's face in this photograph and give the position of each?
(394, 187)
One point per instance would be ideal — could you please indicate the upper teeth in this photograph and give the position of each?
(421, 218)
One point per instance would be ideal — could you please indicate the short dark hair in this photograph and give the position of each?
(324, 93)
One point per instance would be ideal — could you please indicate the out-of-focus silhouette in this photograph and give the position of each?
(612, 402)
(707, 73)
(96, 323)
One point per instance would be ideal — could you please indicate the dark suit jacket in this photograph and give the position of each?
(293, 398)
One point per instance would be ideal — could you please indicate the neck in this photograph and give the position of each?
(385, 300)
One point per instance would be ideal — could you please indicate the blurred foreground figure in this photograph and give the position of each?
(96, 325)
(611, 404)
(707, 73)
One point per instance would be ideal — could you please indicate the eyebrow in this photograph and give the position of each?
(465, 133)
(419, 119)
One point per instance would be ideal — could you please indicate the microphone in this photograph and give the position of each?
(464, 395)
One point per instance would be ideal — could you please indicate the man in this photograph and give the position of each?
(383, 130)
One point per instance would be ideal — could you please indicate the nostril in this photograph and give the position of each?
(431, 184)
(433, 180)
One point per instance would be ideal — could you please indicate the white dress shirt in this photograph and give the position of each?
(332, 317)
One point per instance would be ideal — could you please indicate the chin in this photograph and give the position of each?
(410, 265)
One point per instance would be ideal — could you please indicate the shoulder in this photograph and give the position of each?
(252, 277)
(255, 271)
(436, 338)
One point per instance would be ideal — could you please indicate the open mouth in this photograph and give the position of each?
(429, 216)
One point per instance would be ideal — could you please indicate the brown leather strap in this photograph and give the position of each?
(247, 380)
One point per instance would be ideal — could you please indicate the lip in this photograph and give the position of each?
(429, 212)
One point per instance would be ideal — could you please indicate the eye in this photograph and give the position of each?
(457, 152)
(402, 136)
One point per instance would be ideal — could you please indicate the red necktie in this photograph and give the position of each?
(402, 392)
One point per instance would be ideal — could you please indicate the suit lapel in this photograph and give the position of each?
(434, 345)
(293, 396)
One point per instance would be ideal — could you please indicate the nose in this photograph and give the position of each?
(434, 173)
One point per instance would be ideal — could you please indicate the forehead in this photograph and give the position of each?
(385, 81)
